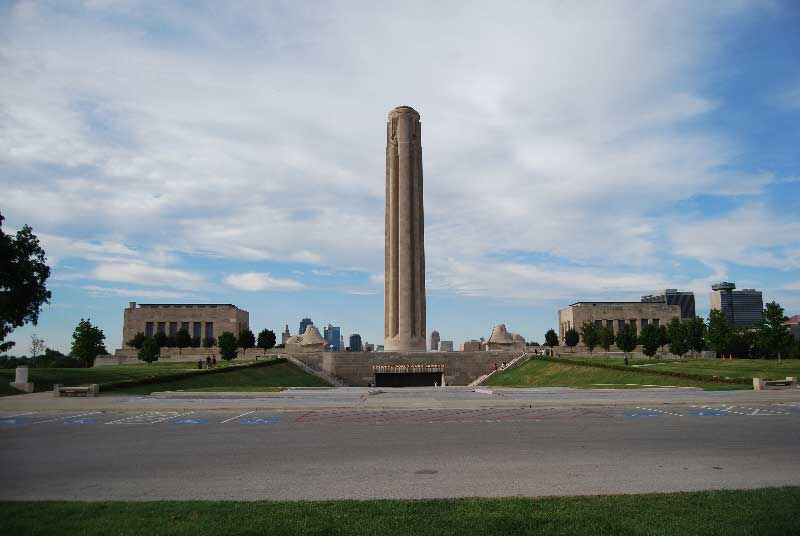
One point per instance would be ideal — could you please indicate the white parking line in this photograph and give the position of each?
(68, 417)
(151, 417)
(232, 418)
(17, 415)
(754, 411)
(661, 411)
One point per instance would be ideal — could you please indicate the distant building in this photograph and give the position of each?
(614, 315)
(304, 323)
(333, 337)
(369, 347)
(309, 341)
(285, 335)
(742, 307)
(355, 343)
(672, 296)
(434, 340)
(471, 346)
(445, 346)
(379, 348)
(202, 321)
(794, 326)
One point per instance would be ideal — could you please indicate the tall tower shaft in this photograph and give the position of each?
(404, 276)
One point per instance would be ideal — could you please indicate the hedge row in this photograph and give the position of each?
(683, 375)
(163, 378)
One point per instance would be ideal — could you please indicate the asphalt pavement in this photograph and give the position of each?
(524, 449)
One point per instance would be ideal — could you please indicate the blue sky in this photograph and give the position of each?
(206, 152)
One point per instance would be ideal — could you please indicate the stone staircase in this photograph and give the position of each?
(511, 364)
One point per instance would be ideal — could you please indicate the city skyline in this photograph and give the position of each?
(229, 162)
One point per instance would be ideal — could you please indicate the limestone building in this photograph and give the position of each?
(202, 321)
(404, 281)
(445, 346)
(471, 346)
(673, 296)
(615, 314)
(309, 341)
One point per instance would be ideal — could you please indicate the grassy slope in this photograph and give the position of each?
(44, 378)
(538, 373)
(773, 511)
(738, 368)
(267, 378)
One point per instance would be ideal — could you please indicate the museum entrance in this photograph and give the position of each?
(408, 375)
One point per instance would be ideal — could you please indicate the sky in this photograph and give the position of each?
(234, 152)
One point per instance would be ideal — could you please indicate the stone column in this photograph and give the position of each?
(404, 278)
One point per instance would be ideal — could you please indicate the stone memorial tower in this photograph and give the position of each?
(404, 281)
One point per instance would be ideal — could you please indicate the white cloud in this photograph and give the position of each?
(147, 294)
(143, 274)
(253, 281)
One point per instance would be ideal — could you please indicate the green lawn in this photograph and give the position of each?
(251, 376)
(261, 378)
(738, 368)
(765, 512)
(541, 373)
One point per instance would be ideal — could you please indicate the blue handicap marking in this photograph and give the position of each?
(13, 421)
(709, 414)
(80, 421)
(643, 415)
(190, 421)
(260, 420)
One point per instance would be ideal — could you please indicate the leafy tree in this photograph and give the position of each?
(571, 338)
(266, 339)
(743, 343)
(37, 345)
(87, 342)
(209, 342)
(663, 336)
(170, 342)
(696, 334)
(606, 338)
(626, 339)
(55, 359)
(161, 339)
(720, 332)
(590, 336)
(137, 341)
(551, 338)
(182, 340)
(772, 334)
(23, 274)
(149, 350)
(650, 339)
(227, 346)
(677, 333)
(246, 340)
(195, 342)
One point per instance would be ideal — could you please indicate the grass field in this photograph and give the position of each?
(251, 377)
(772, 511)
(711, 368)
(540, 373)
(263, 378)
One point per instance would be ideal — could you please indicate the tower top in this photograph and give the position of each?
(403, 110)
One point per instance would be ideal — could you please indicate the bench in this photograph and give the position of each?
(61, 390)
(761, 384)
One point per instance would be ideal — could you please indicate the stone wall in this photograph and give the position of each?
(125, 356)
(355, 368)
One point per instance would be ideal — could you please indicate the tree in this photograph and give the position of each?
(182, 340)
(37, 345)
(87, 342)
(137, 341)
(626, 339)
(743, 343)
(696, 334)
(266, 339)
(720, 332)
(246, 340)
(161, 339)
(606, 338)
(663, 336)
(650, 339)
(772, 334)
(23, 277)
(677, 333)
(149, 350)
(551, 338)
(227, 346)
(571, 338)
(590, 335)
(209, 342)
